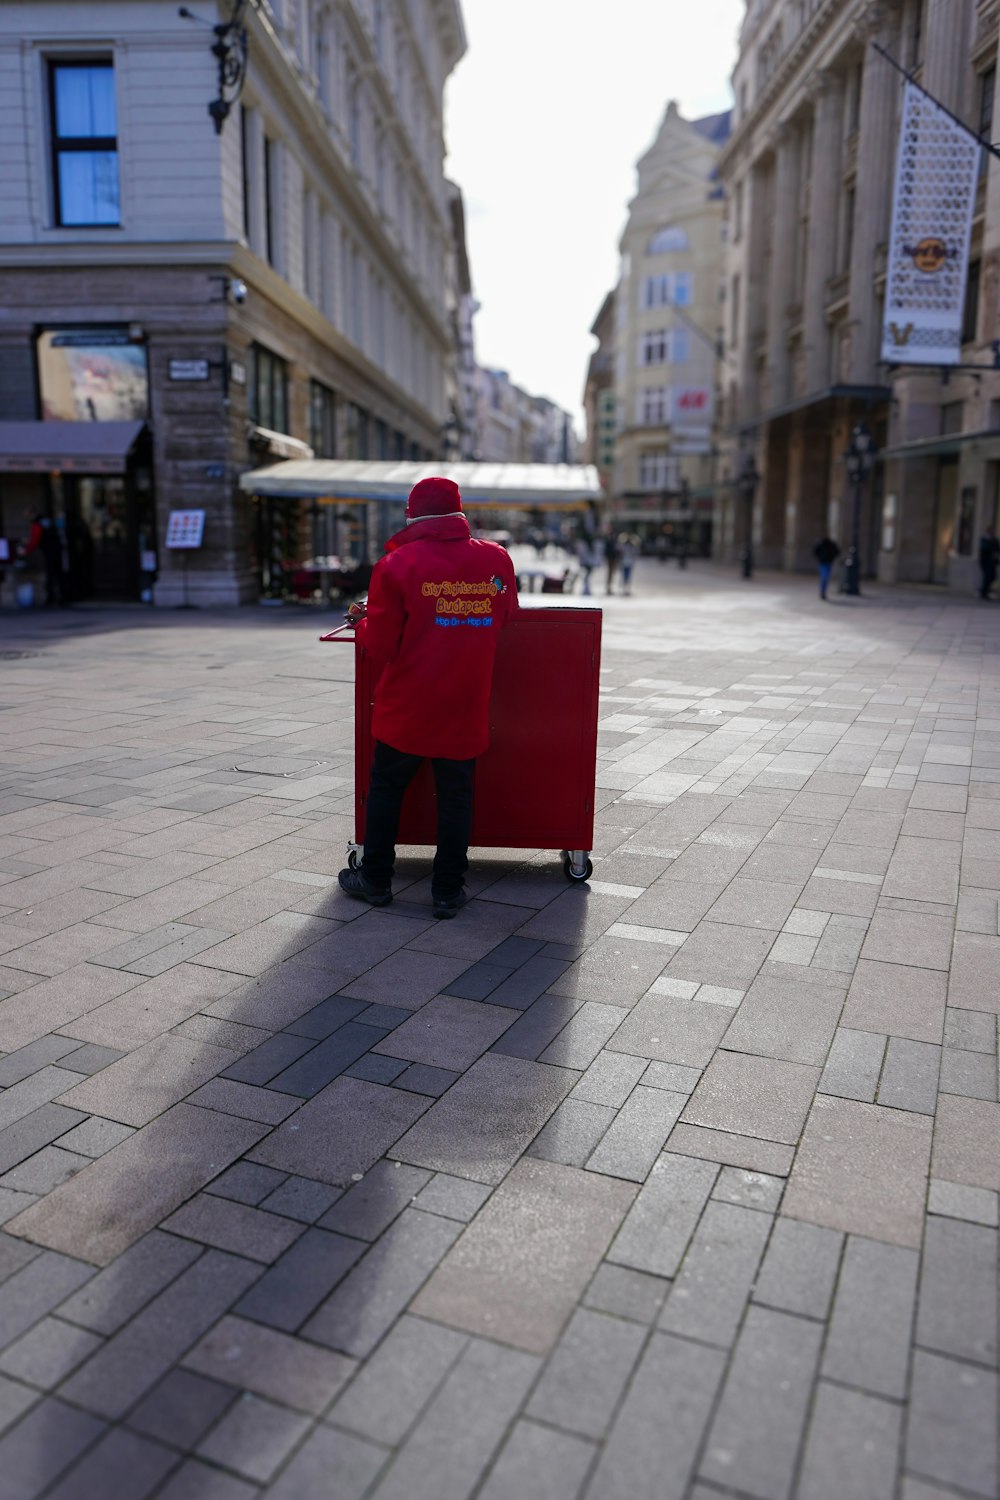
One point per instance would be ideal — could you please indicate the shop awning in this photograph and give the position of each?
(552, 486)
(66, 447)
(945, 445)
(279, 443)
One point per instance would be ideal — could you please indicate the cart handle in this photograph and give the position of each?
(337, 637)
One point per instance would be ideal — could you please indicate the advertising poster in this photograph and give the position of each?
(92, 375)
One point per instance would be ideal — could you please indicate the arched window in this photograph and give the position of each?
(670, 238)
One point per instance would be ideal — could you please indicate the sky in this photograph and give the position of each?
(545, 118)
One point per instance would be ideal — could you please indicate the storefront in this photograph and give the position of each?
(93, 480)
(322, 523)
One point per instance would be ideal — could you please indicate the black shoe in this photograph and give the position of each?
(447, 906)
(356, 883)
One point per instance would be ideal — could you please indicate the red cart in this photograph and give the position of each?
(534, 787)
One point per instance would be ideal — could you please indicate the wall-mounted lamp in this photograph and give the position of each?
(230, 51)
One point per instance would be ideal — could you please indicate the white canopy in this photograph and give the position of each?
(334, 479)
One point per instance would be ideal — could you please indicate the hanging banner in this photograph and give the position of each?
(937, 170)
(691, 418)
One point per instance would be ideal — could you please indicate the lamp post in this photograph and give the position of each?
(858, 459)
(747, 484)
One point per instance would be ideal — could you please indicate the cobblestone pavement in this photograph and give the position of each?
(681, 1185)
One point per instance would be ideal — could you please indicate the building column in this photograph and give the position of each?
(880, 99)
(946, 52)
(781, 277)
(821, 243)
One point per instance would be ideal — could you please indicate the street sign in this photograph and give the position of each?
(185, 529)
(187, 369)
(237, 372)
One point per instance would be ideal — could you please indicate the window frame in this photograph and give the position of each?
(85, 143)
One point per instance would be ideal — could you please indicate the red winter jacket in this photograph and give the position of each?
(436, 603)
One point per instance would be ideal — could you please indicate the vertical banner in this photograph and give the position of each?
(936, 174)
(691, 418)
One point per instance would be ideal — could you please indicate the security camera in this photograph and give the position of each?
(238, 291)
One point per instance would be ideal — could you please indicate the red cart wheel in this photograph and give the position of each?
(577, 874)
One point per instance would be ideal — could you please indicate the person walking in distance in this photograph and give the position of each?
(826, 553)
(989, 557)
(437, 602)
(629, 547)
(612, 556)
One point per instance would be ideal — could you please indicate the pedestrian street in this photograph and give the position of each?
(677, 1184)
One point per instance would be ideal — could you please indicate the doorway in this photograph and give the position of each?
(946, 501)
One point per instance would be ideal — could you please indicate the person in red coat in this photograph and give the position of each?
(437, 602)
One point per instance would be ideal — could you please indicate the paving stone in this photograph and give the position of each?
(518, 1269)
(34, 1289)
(615, 969)
(452, 1197)
(147, 1081)
(780, 1018)
(143, 1350)
(720, 954)
(449, 1032)
(976, 1205)
(234, 1226)
(327, 1060)
(970, 1030)
(536, 1463)
(910, 1076)
(863, 1169)
(35, 1056)
(270, 1363)
(463, 1426)
(47, 1352)
(419, 1078)
(539, 1025)
(852, 1447)
(44, 1171)
(749, 1189)
(31, 1093)
(377, 1069)
(975, 970)
(626, 1293)
(654, 1442)
(957, 1307)
(34, 1131)
(658, 1226)
(229, 1097)
(114, 1295)
(868, 1343)
(198, 1481)
(637, 1135)
(254, 1437)
(898, 1000)
(368, 1207)
(479, 981)
(485, 1121)
(972, 1074)
(753, 1096)
(757, 1427)
(298, 1282)
(707, 1298)
(392, 1387)
(967, 1142)
(572, 1132)
(324, 1453)
(582, 1038)
(526, 983)
(246, 1183)
(800, 1269)
(355, 1317)
(301, 1198)
(272, 1057)
(668, 1029)
(15, 1400)
(610, 1079)
(586, 1373)
(121, 1464)
(952, 1425)
(854, 1065)
(145, 1178)
(181, 1408)
(42, 1446)
(345, 1129)
(672, 1076)
(95, 1136)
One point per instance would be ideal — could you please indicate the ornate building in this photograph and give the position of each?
(809, 174)
(180, 305)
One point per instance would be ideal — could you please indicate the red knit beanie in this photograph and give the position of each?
(433, 497)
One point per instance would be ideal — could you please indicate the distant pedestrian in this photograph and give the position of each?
(612, 557)
(826, 553)
(628, 547)
(589, 552)
(47, 541)
(989, 558)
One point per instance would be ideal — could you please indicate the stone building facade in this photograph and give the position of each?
(599, 408)
(244, 296)
(667, 307)
(809, 174)
(514, 427)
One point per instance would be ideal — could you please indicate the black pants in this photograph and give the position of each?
(988, 576)
(392, 772)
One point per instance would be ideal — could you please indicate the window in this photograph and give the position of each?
(682, 289)
(849, 203)
(679, 346)
(667, 239)
(267, 389)
(737, 211)
(970, 315)
(245, 172)
(270, 198)
(656, 471)
(952, 418)
(322, 420)
(84, 143)
(656, 292)
(653, 347)
(354, 116)
(734, 313)
(654, 406)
